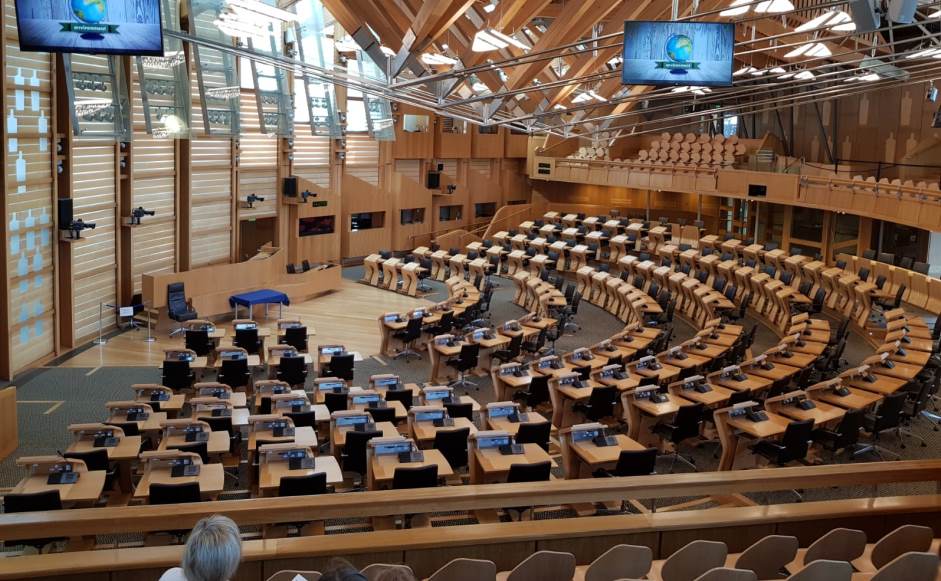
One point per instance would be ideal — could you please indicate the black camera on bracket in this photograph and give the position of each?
(139, 212)
(252, 198)
(76, 226)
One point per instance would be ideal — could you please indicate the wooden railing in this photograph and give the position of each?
(425, 549)
(142, 519)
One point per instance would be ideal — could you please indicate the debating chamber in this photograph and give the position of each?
(470, 290)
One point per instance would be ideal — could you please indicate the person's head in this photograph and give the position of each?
(213, 550)
(341, 570)
(396, 574)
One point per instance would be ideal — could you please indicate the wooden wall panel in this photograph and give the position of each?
(258, 160)
(311, 156)
(153, 245)
(94, 263)
(29, 201)
(211, 202)
(362, 158)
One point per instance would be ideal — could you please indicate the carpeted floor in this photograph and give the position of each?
(52, 398)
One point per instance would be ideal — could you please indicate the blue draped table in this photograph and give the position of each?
(258, 297)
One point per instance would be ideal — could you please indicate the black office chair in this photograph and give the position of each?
(201, 448)
(845, 438)
(460, 410)
(411, 333)
(887, 257)
(305, 264)
(539, 472)
(386, 414)
(453, 446)
(177, 375)
(869, 254)
(537, 394)
(920, 267)
(423, 275)
(536, 345)
(534, 433)
(303, 419)
(234, 373)
(179, 308)
(793, 447)
(404, 396)
(129, 428)
(340, 366)
(198, 341)
(632, 463)
(248, 340)
(888, 417)
(335, 402)
(96, 460)
(354, 452)
(863, 274)
(264, 405)
(174, 493)
(511, 353)
(684, 426)
(906, 262)
(880, 282)
(293, 370)
(418, 477)
(295, 337)
(443, 326)
(303, 485)
(600, 404)
(32, 502)
(583, 371)
(464, 362)
(889, 304)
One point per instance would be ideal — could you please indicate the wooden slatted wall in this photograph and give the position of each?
(362, 158)
(258, 159)
(29, 196)
(311, 155)
(211, 200)
(153, 187)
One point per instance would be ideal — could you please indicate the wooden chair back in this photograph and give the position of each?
(911, 565)
(545, 566)
(693, 560)
(296, 576)
(727, 574)
(837, 545)
(466, 570)
(768, 555)
(824, 570)
(905, 539)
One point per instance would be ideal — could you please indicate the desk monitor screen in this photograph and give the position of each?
(546, 363)
(365, 399)
(501, 411)
(393, 448)
(387, 381)
(185, 356)
(586, 434)
(391, 318)
(293, 454)
(443, 340)
(193, 429)
(291, 403)
(429, 415)
(436, 394)
(245, 326)
(418, 313)
(121, 27)
(217, 392)
(331, 349)
(232, 355)
(479, 334)
(276, 425)
(208, 327)
(159, 396)
(568, 380)
(330, 386)
(345, 421)
(487, 442)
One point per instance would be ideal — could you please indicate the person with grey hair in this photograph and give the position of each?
(212, 552)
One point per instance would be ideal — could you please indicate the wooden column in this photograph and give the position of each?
(63, 130)
(125, 200)
(5, 367)
(184, 204)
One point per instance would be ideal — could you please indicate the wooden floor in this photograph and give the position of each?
(347, 317)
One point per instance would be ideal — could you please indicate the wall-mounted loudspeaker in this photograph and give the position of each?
(902, 11)
(65, 214)
(757, 191)
(433, 180)
(289, 189)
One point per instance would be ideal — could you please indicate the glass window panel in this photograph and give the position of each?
(807, 224)
(355, 116)
(846, 227)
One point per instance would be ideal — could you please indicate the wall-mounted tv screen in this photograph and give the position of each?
(317, 225)
(131, 27)
(678, 53)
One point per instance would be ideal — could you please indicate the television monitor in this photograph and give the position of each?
(128, 27)
(317, 225)
(678, 53)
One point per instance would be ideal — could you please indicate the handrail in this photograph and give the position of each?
(482, 540)
(433, 235)
(874, 185)
(139, 519)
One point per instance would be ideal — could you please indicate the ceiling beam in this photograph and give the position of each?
(434, 18)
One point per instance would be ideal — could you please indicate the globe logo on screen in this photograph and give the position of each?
(680, 48)
(89, 11)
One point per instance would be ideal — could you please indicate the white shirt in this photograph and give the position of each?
(174, 574)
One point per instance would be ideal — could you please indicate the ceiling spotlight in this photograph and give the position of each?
(835, 19)
(386, 50)
(480, 87)
(805, 76)
(744, 71)
(488, 8)
(777, 70)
